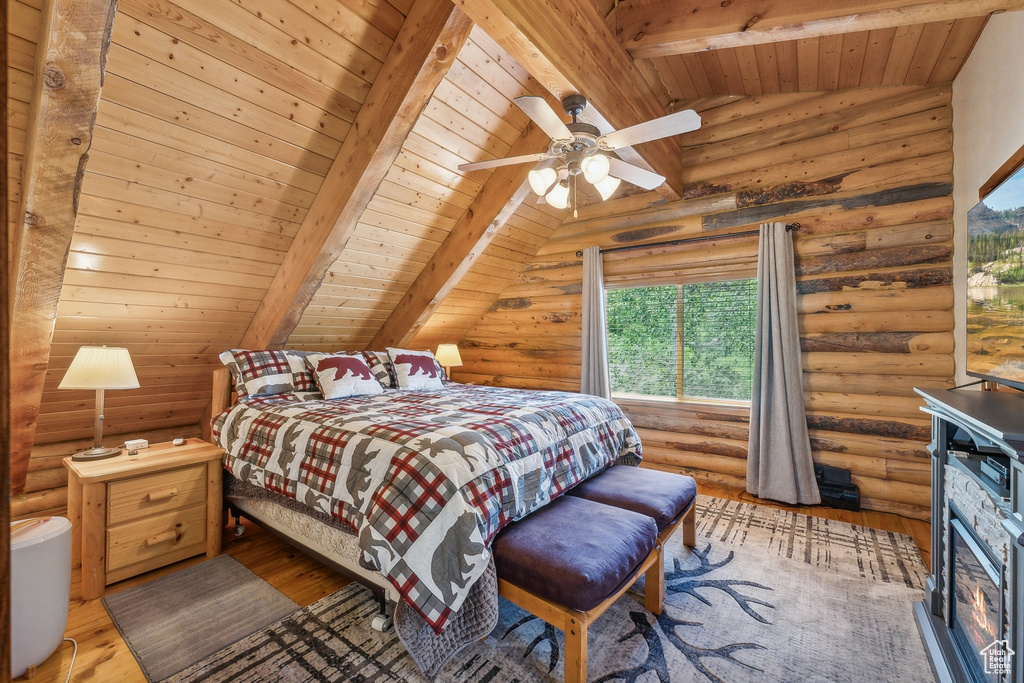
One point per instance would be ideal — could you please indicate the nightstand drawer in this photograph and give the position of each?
(152, 494)
(171, 533)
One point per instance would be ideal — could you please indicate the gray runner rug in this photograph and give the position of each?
(766, 595)
(175, 621)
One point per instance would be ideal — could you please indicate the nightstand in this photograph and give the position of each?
(134, 513)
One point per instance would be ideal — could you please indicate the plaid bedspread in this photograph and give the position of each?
(426, 478)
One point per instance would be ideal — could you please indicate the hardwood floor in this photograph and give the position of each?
(917, 529)
(104, 656)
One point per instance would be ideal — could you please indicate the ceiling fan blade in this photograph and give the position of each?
(507, 161)
(544, 116)
(673, 124)
(634, 174)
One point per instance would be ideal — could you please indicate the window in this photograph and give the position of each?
(683, 341)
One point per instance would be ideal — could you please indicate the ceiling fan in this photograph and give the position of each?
(578, 148)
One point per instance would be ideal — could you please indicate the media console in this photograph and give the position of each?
(972, 616)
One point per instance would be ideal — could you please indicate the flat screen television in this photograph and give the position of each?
(995, 285)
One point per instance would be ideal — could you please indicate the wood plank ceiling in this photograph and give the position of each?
(470, 118)
(921, 54)
(218, 122)
(22, 36)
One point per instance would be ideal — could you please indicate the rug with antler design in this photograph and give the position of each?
(766, 595)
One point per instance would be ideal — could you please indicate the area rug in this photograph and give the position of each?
(174, 621)
(766, 595)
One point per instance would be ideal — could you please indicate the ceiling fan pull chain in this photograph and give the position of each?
(575, 213)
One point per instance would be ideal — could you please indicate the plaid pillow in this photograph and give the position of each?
(415, 369)
(380, 366)
(265, 373)
(340, 375)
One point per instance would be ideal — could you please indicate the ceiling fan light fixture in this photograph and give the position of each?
(541, 179)
(558, 196)
(607, 186)
(595, 168)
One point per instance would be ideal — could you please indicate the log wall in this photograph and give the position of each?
(868, 175)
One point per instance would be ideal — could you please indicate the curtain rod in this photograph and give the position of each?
(790, 227)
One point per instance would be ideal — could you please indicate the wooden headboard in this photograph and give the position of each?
(222, 394)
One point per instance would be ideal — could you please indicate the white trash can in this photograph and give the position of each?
(40, 589)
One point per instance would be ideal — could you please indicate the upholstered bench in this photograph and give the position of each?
(666, 497)
(569, 562)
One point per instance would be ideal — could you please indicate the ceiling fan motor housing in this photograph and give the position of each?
(573, 105)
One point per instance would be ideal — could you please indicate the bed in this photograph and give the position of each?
(405, 490)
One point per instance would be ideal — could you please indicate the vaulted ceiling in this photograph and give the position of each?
(246, 182)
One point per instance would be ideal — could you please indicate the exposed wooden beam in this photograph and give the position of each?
(568, 47)
(72, 50)
(499, 198)
(427, 45)
(658, 28)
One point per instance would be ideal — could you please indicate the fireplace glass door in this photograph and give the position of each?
(976, 618)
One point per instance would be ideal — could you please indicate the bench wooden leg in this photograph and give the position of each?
(575, 649)
(654, 583)
(689, 526)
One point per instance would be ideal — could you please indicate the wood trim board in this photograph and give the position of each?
(1009, 167)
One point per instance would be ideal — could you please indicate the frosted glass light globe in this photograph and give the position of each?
(595, 168)
(541, 179)
(607, 186)
(558, 197)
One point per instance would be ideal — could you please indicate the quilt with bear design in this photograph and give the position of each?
(426, 478)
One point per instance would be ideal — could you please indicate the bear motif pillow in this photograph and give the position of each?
(415, 369)
(266, 373)
(340, 375)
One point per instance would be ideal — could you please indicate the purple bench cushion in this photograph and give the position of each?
(661, 495)
(574, 552)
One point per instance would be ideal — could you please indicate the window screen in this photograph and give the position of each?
(683, 341)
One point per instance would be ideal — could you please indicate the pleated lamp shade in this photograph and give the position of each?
(101, 367)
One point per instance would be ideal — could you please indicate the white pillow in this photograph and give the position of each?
(415, 369)
(340, 375)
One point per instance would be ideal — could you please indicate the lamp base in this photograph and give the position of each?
(96, 453)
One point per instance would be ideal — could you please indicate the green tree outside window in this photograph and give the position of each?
(685, 341)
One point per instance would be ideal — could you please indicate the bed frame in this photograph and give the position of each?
(223, 398)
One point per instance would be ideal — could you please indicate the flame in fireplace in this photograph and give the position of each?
(980, 613)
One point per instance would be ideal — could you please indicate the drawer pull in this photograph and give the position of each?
(174, 535)
(162, 494)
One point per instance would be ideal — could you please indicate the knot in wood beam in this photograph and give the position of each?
(53, 78)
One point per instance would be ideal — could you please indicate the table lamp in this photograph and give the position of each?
(448, 356)
(100, 368)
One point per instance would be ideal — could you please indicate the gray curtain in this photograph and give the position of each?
(779, 464)
(594, 376)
